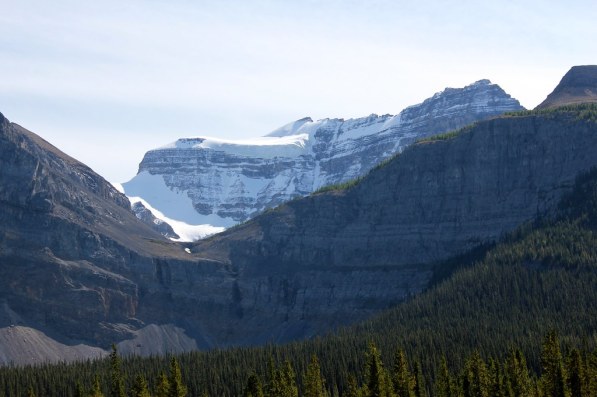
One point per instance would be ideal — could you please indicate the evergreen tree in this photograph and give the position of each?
(288, 381)
(402, 379)
(497, 387)
(419, 389)
(476, 378)
(140, 388)
(592, 374)
(313, 382)
(352, 388)
(163, 386)
(79, 391)
(116, 379)
(96, 390)
(443, 384)
(517, 375)
(576, 376)
(552, 375)
(253, 388)
(274, 388)
(176, 387)
(374, 376)
(30, 392)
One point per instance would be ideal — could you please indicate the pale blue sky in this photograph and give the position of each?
(107, 80)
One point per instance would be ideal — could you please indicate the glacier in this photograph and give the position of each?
(201, 185)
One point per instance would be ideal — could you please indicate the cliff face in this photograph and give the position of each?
(78, 270)
(226, 182)
(435, 200)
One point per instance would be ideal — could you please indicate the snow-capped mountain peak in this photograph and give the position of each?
(226, 181)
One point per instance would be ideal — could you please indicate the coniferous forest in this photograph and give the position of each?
(517, 318)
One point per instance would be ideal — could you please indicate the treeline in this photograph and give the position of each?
(574, 375)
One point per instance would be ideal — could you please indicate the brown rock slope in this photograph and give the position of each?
(579, 85)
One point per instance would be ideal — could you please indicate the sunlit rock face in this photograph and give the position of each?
(221, 182)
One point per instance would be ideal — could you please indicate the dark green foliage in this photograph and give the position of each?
(419, 388)
(552, 367)
(116, 380)
(576, 374)
(402, 378)
(96, 390)
(140, 388)
(175, 386)
(313, 382)
(253, 388)
(163, 386)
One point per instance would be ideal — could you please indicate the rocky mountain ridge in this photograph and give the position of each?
(78, 271)
(221, 182)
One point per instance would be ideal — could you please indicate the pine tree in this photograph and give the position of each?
(402, 379)
(374, 377)
(30, 392)
(517, 375)
(288, 381)
(163, 386)
(140, 388)
(79, 391)
(313, 382)
(253, 388)
(176, 387)
(273, 388)
(116, 380)
(352, 389)
(592, 374)
(96, 390)
(552, 376)
(444, 387)
(475, 377)
(419, 389)
(576, 375)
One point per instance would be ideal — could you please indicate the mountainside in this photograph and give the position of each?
(579, 85)
(79, 271)
(508, 296)
(436, 199)
(210, 181)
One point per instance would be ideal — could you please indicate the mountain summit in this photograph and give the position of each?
(579, 85)
(220, 182)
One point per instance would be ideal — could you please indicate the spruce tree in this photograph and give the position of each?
(79, 391)
(96, 390)
(517, 375)
(253, 387)
(576, 375)
(176, 387)
(419, 389)
(475, 377)
(140, 388)
(378, 382)
(552, 376)
(163, 386)
(443, 383)
(30, 392)
(288, 381)
(116, 379)
(352, 388)
(402, 379)
(313, 382)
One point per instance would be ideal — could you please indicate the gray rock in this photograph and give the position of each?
(230, 183)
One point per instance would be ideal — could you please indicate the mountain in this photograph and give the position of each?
(579, 85)
(509, 295)
(222, 182)
(79, 271)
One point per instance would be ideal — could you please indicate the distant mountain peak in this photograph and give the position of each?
(579, 85)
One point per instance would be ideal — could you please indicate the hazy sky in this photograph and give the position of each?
(107, 80)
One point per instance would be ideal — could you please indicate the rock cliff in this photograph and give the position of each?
(79, 271)
(218, 182)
